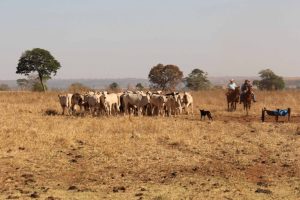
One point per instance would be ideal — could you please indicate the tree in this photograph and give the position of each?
(114, 86)
(139, 86)
(38, 61)
(270, 81)
(197, 80)
(165, 77)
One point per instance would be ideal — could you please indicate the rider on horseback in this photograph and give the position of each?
(231, 85)
(233, 95)
(244, 89)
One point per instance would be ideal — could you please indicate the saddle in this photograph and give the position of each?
(229, 92)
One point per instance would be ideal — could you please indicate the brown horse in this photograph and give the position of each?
(232, 98)
(247, 98)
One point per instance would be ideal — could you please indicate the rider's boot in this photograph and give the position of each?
(253, 97)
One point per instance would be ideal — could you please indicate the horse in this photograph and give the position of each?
(232, 98)
(247, 98)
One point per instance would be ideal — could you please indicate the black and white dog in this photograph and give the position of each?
(204, 113)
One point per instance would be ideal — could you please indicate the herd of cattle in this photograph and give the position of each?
(137, 103)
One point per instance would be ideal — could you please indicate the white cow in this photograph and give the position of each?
(137, 101)
(110, 102)
(65, 102)
(187, 101)
(173, 104)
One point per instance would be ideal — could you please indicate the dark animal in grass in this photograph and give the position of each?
(204, 113)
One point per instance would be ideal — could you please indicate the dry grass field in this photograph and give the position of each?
(67, 157)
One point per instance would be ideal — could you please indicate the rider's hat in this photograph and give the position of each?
(231, 80)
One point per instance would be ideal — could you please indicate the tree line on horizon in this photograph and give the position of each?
(38, 65)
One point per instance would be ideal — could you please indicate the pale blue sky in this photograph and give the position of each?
(125, 38)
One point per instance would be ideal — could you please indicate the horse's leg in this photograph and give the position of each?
(231, 106)
(247, 108)
(228, 106)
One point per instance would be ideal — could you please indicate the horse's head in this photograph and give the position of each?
(237, 90)
(249, 88)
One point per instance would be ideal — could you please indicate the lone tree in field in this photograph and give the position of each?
(38, 61)
(114, 86)
(165, 77)
(270, 81)
(197, 80)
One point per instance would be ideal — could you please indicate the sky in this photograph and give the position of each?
(125, 38)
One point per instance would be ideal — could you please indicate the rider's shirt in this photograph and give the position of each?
(244, 86)
(232, 86)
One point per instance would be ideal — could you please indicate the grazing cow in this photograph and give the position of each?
(144, 104)
(187, 101)
(93, 102)
(77, 99)
(110, 102)
(137, 101)
(157, 102)
(173, 104)
(65, 102)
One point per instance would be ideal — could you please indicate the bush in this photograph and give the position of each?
(4, 87)
(38, 87)
(78, 87)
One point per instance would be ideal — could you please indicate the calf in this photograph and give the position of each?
(65, 102)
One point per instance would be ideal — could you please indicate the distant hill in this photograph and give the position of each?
(291, 82)
(92, 83)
